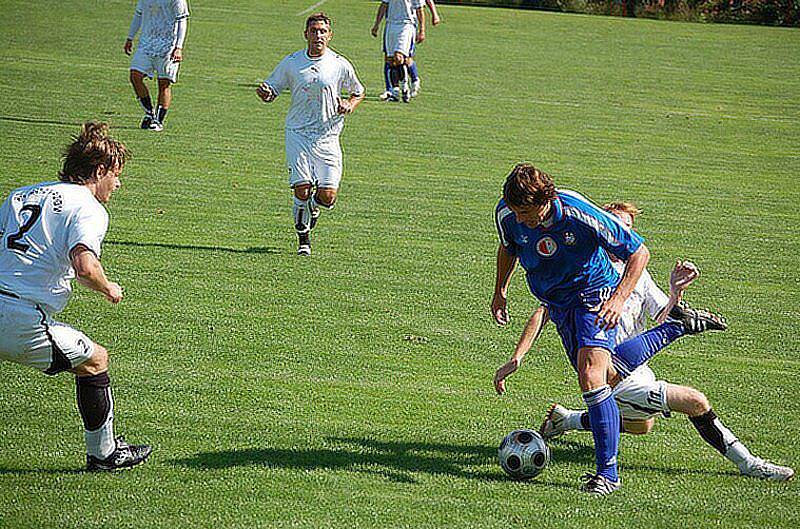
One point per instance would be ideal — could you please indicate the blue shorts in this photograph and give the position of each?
(577, 329)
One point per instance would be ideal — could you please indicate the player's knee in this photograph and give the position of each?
(96, 364)
(399, 59)
(326, 197)
(164, 84)
(698, 402)
(302, 191)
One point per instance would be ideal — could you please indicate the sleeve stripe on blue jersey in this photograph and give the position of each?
(592, 223)
(501, 215)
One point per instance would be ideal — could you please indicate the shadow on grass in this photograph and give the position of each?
(252, 249)
(396, 461)
(37, 121)
(41, 471)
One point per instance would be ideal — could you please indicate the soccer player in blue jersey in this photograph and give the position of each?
(563, 242)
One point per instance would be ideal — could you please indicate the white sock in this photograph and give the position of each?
(736, 452)
(573, 420)
(100, 443)
(301, 215)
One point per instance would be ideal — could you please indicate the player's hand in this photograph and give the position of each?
(374, 30)
(343, 106)
(502, 373)
(500, 309)
(436, 21)
(265, 93)
(128, 47)
(177, 55)
(113, 293)
(610, 312)
(420, 37)
(683, 274)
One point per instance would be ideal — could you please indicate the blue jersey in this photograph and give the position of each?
(565, 259)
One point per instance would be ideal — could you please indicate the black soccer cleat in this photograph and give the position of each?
(304, 245)
(695, 321)
(599, 485)
(123, 456)
(146, 122)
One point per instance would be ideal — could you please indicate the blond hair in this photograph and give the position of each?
(627, 207)
(89, 150)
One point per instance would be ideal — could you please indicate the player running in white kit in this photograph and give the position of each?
(50, 233)
(317, 77)
(160, 51)
(640, 397)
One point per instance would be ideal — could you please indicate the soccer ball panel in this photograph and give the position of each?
(523, 454)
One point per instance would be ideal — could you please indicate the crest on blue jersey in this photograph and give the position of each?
(569, 238)
(546, 247)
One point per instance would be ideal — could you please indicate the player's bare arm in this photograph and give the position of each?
(611, 310)
(505, 267)
(421, 28)
(435, 18)
(531, 332)
(90, 273)
(378, 18)
(683, 274)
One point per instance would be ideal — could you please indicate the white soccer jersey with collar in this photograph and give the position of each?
(159, 24)
(402, 11)
(316, 85)
(39, 226)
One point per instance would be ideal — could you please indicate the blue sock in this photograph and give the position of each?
(604, 420)
(386, 69)
(412, 72)
(635, 351)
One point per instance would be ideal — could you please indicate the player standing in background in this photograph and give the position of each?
(640, 397)
(405, 26)
(160, 51)
(51, 233)
(317, 77)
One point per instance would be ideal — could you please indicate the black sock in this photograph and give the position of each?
(162, 113)
(586, 425)
(147, 105)
(94, 399)
(394, 76)
(709, 431)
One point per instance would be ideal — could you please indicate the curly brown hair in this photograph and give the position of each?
(628, 207)
(528, 186)
(89, 150)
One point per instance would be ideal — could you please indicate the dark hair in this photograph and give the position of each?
(528, 186)
(318, 17)
(89, 150)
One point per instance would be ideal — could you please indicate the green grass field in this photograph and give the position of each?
(353, 389)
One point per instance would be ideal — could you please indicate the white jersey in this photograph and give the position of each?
(645, 300)
(39, 226)
(159, 24)
(402, 11)
(316, 85)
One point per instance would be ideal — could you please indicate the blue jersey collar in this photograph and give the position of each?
(556, 214)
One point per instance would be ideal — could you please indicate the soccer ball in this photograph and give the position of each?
(523, 454)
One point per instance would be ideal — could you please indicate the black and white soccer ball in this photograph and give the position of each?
(523, 454)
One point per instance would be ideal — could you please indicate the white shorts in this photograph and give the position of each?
(161, 65)
(317, 162)
(640, 396)
(28, 336)
(399, 37)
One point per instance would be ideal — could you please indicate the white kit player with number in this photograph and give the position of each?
(39, 226)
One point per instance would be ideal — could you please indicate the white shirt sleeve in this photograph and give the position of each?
(350, 82)
(181, 9)
(4, 209)
(418, 4)
(278, 80)
(88, 227)
(654, 298)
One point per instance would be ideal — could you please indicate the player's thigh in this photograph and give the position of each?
(326, 163)
(685, 399)
(166, 70)
(298, 159)
(143, 63)
(641, 397)
(638, 427)
(30, 337)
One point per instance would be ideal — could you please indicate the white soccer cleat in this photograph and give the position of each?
(156, 126)
(386, 96)
(762, 469)
(553, 424)
(415, 86)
